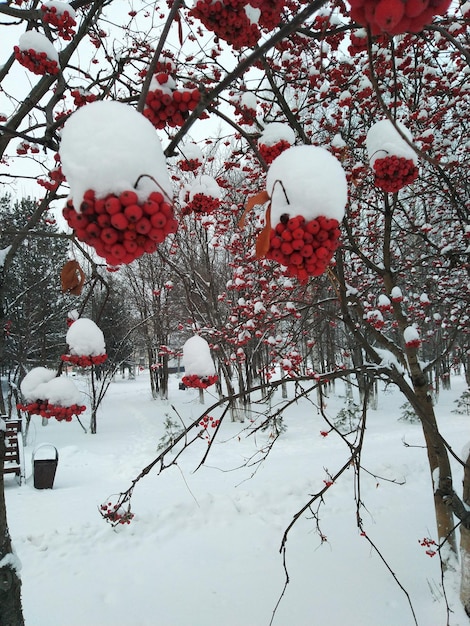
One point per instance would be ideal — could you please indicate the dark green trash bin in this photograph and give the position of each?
(45, 466)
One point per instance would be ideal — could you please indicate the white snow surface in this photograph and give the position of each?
(275, 132)
(32, 40)
(411, 333)
(35, 377)
(125, 147)
(203, 548)
(308, 181)
(197, 357)
(3, 255)
(191, 150)
(85, 338)
(41, 383)
(384, 140)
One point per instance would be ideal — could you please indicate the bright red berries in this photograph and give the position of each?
(83, 360)
(47, 410)
(120, 228)
(396, 16)
(269, 153)
(392, 173)
(304, 248)
(36, 62)
(199, 382)
(168, 106)
(63, 21)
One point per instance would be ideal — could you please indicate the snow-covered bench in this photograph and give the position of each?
(14, 457)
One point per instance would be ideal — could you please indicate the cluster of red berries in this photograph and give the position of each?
(55, 178)
(62, 20)
(84, 360)
(189, 165)
(36, 62)
(115, 514)
(167, 106)
(392, 173)
(269, 153)
(82, 97)
(228, 20)
(200, 203)
(304, 248)
(396, 16)
(24, 147)
(428, 543)
(199, 382)
(120, 228)
(208, 421)
(413, 343)
(45, 409)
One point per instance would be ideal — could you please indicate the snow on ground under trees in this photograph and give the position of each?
(203, 547)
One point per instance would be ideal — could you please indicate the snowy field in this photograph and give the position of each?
(203, 548)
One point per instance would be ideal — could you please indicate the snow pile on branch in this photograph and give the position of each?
(42, 383)
(307, 181)
(32, 40)
(275, 132)
(110, 147)
(383, 139)
(197, 357)
(85, 337)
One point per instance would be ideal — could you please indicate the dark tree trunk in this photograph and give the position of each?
(11, 613)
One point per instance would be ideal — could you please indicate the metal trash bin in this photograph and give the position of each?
(44, 468)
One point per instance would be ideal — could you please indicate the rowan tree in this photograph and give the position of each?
(245, 86)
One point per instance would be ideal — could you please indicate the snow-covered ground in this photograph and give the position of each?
(203, 548)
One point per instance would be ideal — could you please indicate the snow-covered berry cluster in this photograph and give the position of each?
(62, 19)
(35, 61)
(115, 513)
(84, 360)
(396, 16)
(121, 228)
(166, 105)
(45, 409)
(24, 147)
(199, 382)
(269, 153)
(82, 97)
(392, 173)
(304, 248)
(201, 203)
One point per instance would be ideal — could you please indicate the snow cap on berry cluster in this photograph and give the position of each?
(33, 379)
(197, 357)
(108, 146)
(384, 140)
(275, 132)
(205, 185)
(32, 40)
(60, 7)
(191, 151)
(42, 383)
(84, 337)
(307, 181)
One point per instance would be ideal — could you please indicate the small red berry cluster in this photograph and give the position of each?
(200, 203)
(304, 248)
(116, 514)
(84, 360)
(396, 16)
(82, 97)
(413, 343)
(168, 106)
(392, 173)
(199, 382)
(209, 422)
(24, 147)
(45, 409)
(120, 228)
(428, 543)
(62, 21)
(56, 177)
(269, 153)
(189, 165)
(36, 62)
